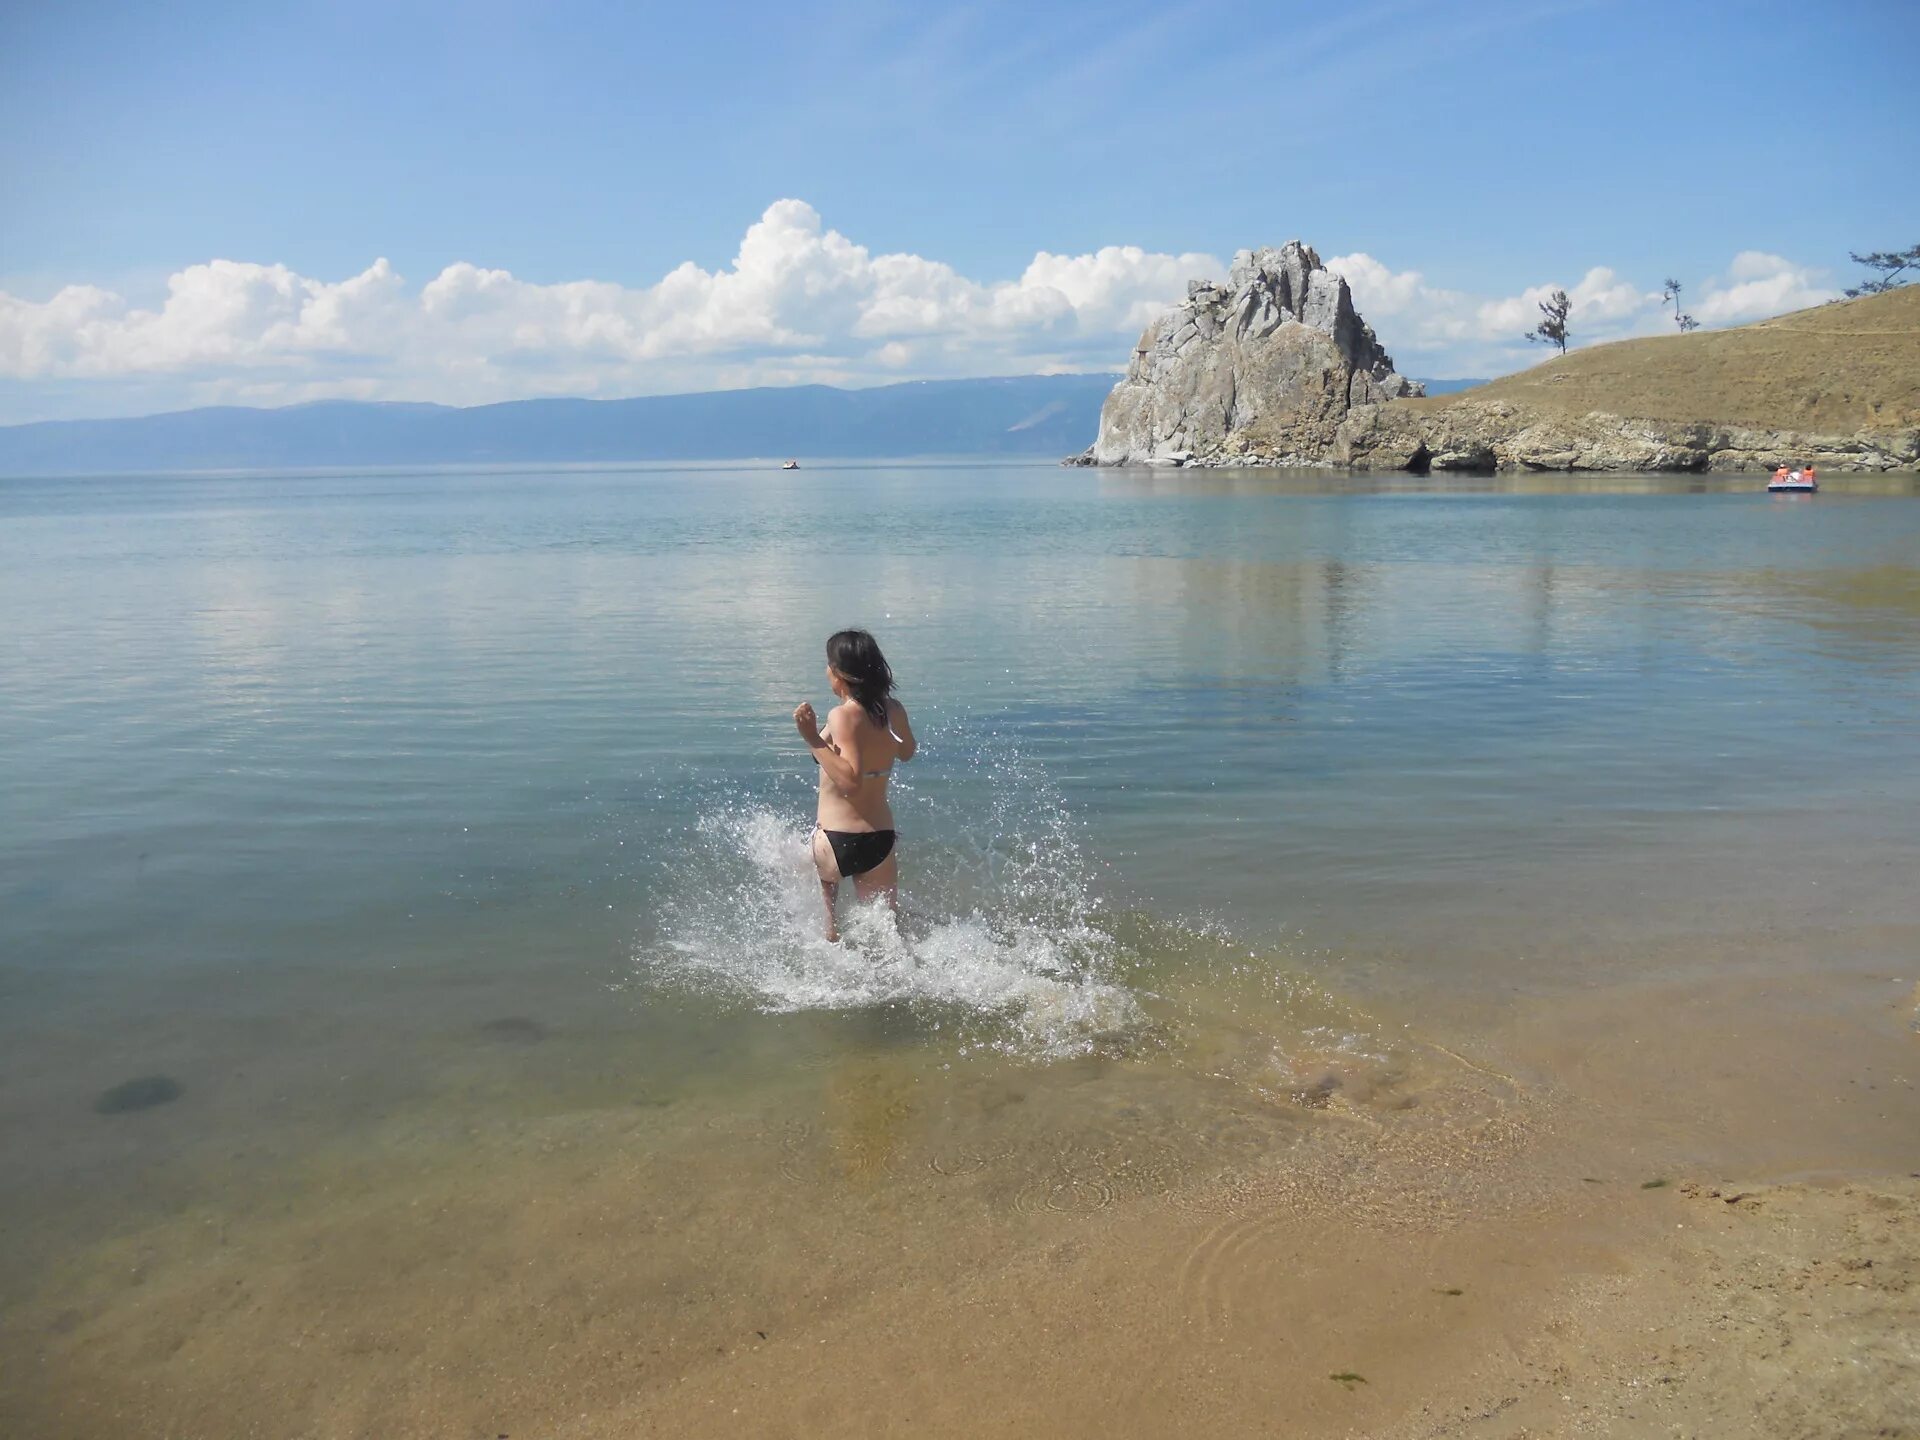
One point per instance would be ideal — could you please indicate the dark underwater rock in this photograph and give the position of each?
(143, 1092)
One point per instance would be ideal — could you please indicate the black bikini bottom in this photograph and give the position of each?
(858, 851)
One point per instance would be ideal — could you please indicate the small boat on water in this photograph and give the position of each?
(791, 465)
(1793, 485)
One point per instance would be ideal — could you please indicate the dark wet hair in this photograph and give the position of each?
(855, 656)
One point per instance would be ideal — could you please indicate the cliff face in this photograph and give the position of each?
(1259, 371)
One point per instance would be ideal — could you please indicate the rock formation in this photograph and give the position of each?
(1260, 371)
(1276, 368)
(1487, 435)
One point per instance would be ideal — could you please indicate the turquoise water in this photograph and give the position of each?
(335, 796)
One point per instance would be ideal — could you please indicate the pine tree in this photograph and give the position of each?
(1552, 329)
(1671, 291)
(1891, 264)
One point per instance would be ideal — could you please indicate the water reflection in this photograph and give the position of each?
(355, 672)
(338, 808)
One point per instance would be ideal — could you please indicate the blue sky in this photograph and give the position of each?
(554, 164)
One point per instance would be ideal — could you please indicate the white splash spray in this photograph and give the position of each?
(999, 936)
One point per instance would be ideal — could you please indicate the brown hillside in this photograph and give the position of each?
(1834, 369)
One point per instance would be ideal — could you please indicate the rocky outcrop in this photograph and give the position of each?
(1487, 435)
(1260, 371)
(1276, 368)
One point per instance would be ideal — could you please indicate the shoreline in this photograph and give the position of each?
(896, 1243)
(1501, 438)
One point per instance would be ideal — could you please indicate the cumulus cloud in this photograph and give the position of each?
(1434, 330)
(798, 302)
(1605, 303)
(1380, 292)
(222, 313)
(1758, 285)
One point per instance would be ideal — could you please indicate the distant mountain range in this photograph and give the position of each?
(1025, 415)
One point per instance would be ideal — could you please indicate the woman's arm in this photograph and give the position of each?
(842, 765)
(902, 729)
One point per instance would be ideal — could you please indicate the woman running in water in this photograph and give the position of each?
(865, 734)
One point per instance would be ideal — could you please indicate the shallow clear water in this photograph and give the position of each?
(471, 795)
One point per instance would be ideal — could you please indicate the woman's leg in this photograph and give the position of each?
(883, 879)
(829, 868)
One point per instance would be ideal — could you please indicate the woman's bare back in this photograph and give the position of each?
(853, 834)
(853, 736)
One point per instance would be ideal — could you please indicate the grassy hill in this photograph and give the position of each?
(1834, 369)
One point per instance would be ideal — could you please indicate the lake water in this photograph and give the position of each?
(435, 839)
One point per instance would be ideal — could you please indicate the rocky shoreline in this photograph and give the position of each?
(1493, 435)
(1277, 369)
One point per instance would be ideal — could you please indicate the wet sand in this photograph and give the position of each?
(1658, 1207)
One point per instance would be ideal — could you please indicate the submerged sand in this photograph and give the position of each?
(1674, 1207)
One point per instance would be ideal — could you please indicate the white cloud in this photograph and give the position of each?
(48, 338)
(1119, 287)
(1433, 330)
(1436, 331)
(1605, 303)
(798, 302)
(228, 313)
(1380, 293)
(1758, 285)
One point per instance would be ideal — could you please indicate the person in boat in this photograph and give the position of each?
(1806, 473)
(865, 735)
(1780, 474)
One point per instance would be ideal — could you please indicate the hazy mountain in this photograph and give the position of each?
(1039, 415)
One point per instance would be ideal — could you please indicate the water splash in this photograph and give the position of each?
(1003, 940)
(996, 942)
